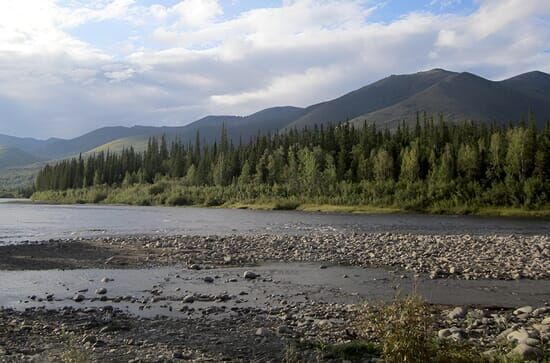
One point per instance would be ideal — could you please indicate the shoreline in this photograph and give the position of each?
(290, 318)
(461, 256)
(501, 212)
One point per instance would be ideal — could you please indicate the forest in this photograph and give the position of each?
(431, 166)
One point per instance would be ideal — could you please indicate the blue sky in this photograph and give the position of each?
(70, 66)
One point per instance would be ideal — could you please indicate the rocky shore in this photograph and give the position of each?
(467, 257)
(279, 322)
(108, 335)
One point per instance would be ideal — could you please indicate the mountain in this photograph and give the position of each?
(465, 96)
(13, 157)
(23, 143)
(238, 128)
(534, 84)
(457, 96)
(378, 95)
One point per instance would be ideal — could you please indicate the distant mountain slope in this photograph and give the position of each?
(458, 96)
(12, 157)
(465, 96)
(23, 143)
(209, 128)
(533, 84)
(375, 96)
(57, 148)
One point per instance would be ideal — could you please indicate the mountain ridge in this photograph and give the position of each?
(388, 101)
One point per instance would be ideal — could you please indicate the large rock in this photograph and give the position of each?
(523, 310)
(78, 298)
(526, 351)
(101, 291)
(518, 336)
(457, 313)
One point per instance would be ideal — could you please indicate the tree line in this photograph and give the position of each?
(425, 164)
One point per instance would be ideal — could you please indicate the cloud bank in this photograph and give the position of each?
(181, 61)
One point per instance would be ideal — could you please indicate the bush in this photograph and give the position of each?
(286, 205)
(404, 331)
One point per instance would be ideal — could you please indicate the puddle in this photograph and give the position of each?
(278, 284)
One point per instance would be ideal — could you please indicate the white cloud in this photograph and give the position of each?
(191, 61)
(195, 13)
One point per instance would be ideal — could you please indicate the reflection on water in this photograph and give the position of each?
(291, 282)
(20, 222)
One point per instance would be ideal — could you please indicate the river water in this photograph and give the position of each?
(34, 222)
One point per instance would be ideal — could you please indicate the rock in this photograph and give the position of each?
(189, 299)
(79, 298)
(457, 313)
(209, 279)
(444, 333)
(323, 267)
(518, 336)
(101, 291)
(261, 332)
(194, 267)
(546, 321)
(89, 339)
(249, 275)
(542, 328)
(179, 355)
(283, 329)
(106, 280)
(526, 351)
(523, 310)
(532, 342)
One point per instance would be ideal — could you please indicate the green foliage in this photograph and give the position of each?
(404, 332)
(436, 167)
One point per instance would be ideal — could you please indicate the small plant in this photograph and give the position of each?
(75, 355)
(403, 330)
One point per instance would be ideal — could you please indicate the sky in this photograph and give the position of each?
(70, 66)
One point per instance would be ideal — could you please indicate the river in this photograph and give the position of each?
(33, 222)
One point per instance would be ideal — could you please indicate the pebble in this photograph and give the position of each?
(249, 275)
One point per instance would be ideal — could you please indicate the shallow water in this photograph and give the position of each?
(21, 222)
(289, 282)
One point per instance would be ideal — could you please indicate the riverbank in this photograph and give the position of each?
(369, 198)
(289, 333)
(215, 300)
(460, 256)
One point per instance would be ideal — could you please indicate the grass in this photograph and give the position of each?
(361, 209)
(174, 193)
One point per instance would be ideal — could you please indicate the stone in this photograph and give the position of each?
(194, 267)
(78, 298)
(249, 275)
(518, 336)
(89, 339)
(457, 313)
(101, 291)
(209, 279)
(532, 342)
(106, 279)
(283, 329)
(261, 332)
(189, 299)
(444, 333)
(526, 351)
(523, 310)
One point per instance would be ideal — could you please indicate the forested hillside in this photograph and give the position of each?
(434, 165)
